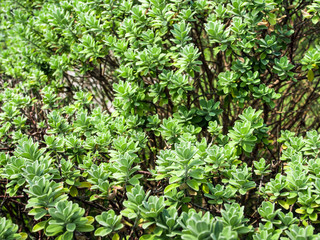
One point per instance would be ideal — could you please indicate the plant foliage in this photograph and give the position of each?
(159, 119)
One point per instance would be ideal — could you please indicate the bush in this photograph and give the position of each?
(159, 119)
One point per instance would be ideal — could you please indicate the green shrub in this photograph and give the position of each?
(159, 119)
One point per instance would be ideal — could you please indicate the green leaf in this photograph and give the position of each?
(174, 179)
(242, 191)
(247, 147)
(71, 227)
(170, 187)
(39, 226)
(147, 224)
(85, 228)
(40, 214)
(21, 182)
(102, 231)
(93, 197)
(272, 19)
(193, 184)
(310, 210)
(197, 173)
(147, 237)
(134, 181)
(67, 236)
(53, 229)
(186, 199)
(70, 182)
(313, 216)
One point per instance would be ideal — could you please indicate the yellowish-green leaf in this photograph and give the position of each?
(300, 211)
(23, 236)
(128, 188)
(90, 219)
(127, 223)
(170, 187)
(84, 185)
(284, 204)
(305, 223)
(116, 237)
(73, 191)
(272, 19)
(205, 188)
(310, 75)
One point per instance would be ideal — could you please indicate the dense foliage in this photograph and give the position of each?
(159, 119)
